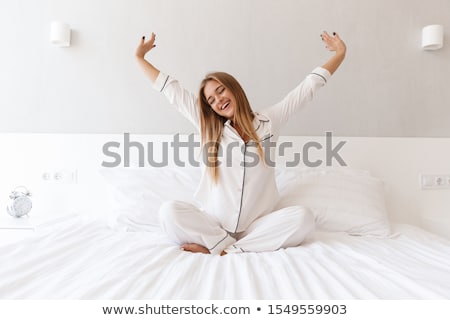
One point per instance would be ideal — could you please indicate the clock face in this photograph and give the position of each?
(22, 205)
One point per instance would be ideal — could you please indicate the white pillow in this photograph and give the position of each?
(342, 200)
(345, 200)
(137, 194)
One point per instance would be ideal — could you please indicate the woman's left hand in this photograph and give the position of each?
(334, 43)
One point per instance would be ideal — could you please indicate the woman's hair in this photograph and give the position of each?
(211, 123)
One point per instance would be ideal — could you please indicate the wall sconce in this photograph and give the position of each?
(432, 37)
(60, 34)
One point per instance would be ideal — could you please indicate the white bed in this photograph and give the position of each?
(354, 254)
(81, 259)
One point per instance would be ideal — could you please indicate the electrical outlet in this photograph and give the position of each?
(61, 176)
(435, 181)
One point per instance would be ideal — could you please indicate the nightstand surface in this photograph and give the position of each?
(24, 223)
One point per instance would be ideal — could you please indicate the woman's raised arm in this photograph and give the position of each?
(335, 44)
(145, 46)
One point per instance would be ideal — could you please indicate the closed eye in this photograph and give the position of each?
(219, 90)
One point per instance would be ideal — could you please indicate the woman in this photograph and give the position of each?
(237, 195)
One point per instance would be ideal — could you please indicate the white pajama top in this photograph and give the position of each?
(246, 189)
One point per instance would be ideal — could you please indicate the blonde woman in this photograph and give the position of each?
(237, 191)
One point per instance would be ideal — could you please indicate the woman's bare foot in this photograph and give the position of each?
(196, 248)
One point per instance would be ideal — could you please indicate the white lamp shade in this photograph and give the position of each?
(433, 37)
(60, 34)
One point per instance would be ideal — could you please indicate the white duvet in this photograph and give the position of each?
(82, 259)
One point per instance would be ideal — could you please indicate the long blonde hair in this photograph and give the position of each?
(211, 123)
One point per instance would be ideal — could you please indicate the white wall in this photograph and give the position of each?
(387, 86)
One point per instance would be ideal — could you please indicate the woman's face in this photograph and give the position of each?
(220, 99)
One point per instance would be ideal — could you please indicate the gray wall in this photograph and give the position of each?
(387, 86)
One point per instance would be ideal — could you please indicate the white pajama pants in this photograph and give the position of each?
(185, 223)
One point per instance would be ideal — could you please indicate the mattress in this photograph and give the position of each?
(81, 258)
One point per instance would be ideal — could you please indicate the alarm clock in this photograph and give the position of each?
(19, 204)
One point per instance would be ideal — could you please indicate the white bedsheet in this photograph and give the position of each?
(82, 259)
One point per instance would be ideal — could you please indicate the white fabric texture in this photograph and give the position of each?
(342, 199)
(185, 223)
(345, 200)
(136, 194)
(81, 259)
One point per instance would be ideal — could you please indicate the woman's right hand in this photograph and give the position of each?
(141, 51)
(145, 46)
